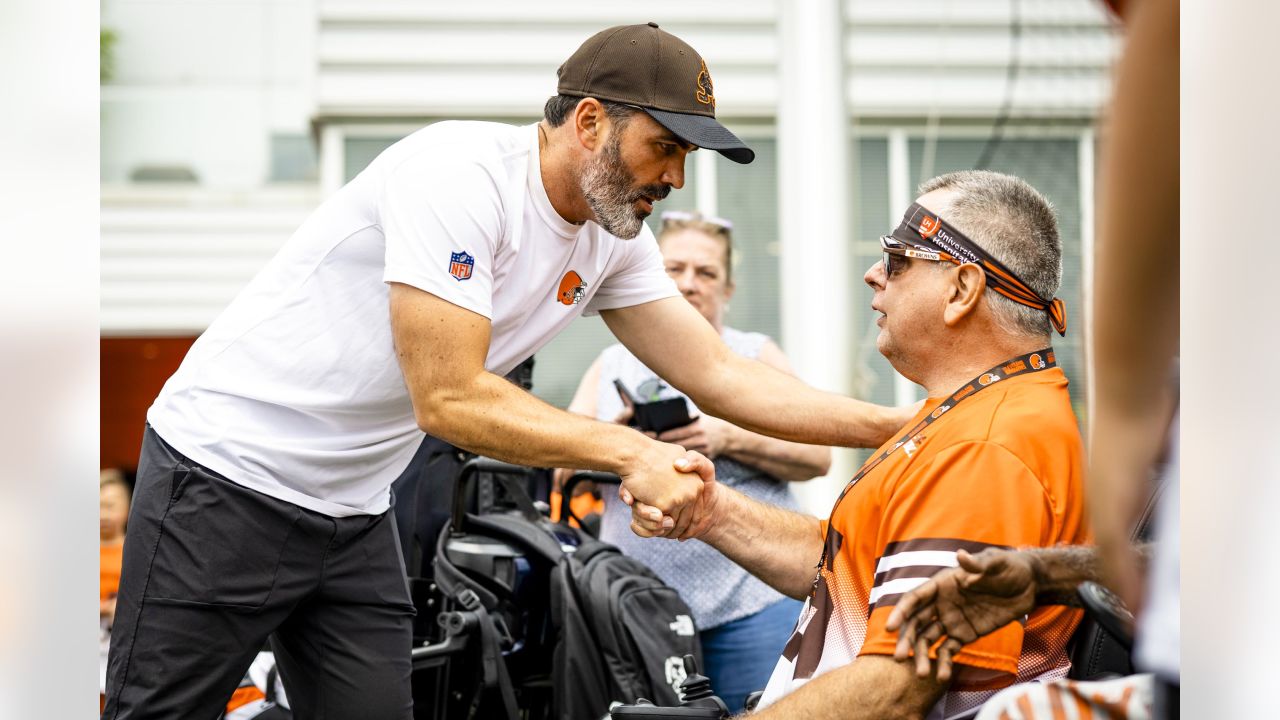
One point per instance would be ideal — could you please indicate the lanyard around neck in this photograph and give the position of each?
(1021, 365)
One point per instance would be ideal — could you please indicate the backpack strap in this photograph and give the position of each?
(491, 658)
(477, 599)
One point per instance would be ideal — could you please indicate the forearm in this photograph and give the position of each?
(759, 398)
(490, 416)
(1135, 335)
(670, 337)
(778, 546)
(873, 687)
(783, 459)
(1058, 571)
(1135, 332)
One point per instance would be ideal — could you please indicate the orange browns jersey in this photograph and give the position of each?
(109, 570)
(1001, 468)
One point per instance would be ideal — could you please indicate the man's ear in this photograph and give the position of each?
(588, 123)
(967, 285)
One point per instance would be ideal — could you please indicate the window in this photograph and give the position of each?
(293, 158)
(358, 152)
(747, 195)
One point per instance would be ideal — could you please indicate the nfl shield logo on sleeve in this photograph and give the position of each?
(460, 264)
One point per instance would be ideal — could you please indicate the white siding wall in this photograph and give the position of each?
(173, 258)
(204, 83)
(396, 59)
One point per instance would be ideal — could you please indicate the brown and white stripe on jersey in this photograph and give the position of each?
(906, 564)
(804, 648)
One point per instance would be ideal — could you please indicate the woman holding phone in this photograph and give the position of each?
(743, 623)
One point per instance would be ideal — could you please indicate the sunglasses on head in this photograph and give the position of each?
(684, 216)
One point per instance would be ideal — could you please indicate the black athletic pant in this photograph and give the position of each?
(211, 569)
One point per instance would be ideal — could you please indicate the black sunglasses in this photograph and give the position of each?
(893, 253)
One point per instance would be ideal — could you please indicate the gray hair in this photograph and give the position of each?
(1015, 224)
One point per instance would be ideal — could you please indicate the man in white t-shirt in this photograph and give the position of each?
(263, 490)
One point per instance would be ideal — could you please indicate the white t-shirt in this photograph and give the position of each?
(295, 390)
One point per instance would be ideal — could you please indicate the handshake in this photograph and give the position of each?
(673, 495)
(670, 486)
(671, 490)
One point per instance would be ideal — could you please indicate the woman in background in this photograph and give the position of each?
(743, 622)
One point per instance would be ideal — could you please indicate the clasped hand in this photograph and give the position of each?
(691, 519)
(670, 495)
(982, 594)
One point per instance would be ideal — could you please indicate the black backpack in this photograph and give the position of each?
(579, 627)
(624, 633)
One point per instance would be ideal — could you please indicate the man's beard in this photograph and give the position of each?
(610, 191)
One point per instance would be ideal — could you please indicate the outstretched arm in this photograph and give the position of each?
(442, 349)
(670, 337)
(782, 459)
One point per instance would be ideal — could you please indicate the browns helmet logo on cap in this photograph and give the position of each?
(706, 92)
(572, 289)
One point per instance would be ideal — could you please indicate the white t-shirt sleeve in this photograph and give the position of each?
(639, 277)
(443, 221)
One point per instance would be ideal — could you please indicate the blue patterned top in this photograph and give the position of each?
(716, 589)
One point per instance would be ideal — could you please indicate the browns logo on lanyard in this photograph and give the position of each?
(1029, 363)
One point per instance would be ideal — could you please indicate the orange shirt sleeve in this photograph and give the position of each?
(969, 495)
(109, 560)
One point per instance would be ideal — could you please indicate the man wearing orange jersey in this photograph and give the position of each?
(994, 459)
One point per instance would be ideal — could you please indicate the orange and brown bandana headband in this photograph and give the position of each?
(926, 231)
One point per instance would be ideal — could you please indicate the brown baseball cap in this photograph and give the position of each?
(649, 68)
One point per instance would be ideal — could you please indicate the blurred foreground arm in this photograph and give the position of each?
(1135, 327)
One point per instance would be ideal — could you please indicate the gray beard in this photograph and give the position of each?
(611, 193)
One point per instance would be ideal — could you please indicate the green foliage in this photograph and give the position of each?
(106, 55)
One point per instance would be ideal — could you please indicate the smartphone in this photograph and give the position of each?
(658, 416)
(627, 398)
